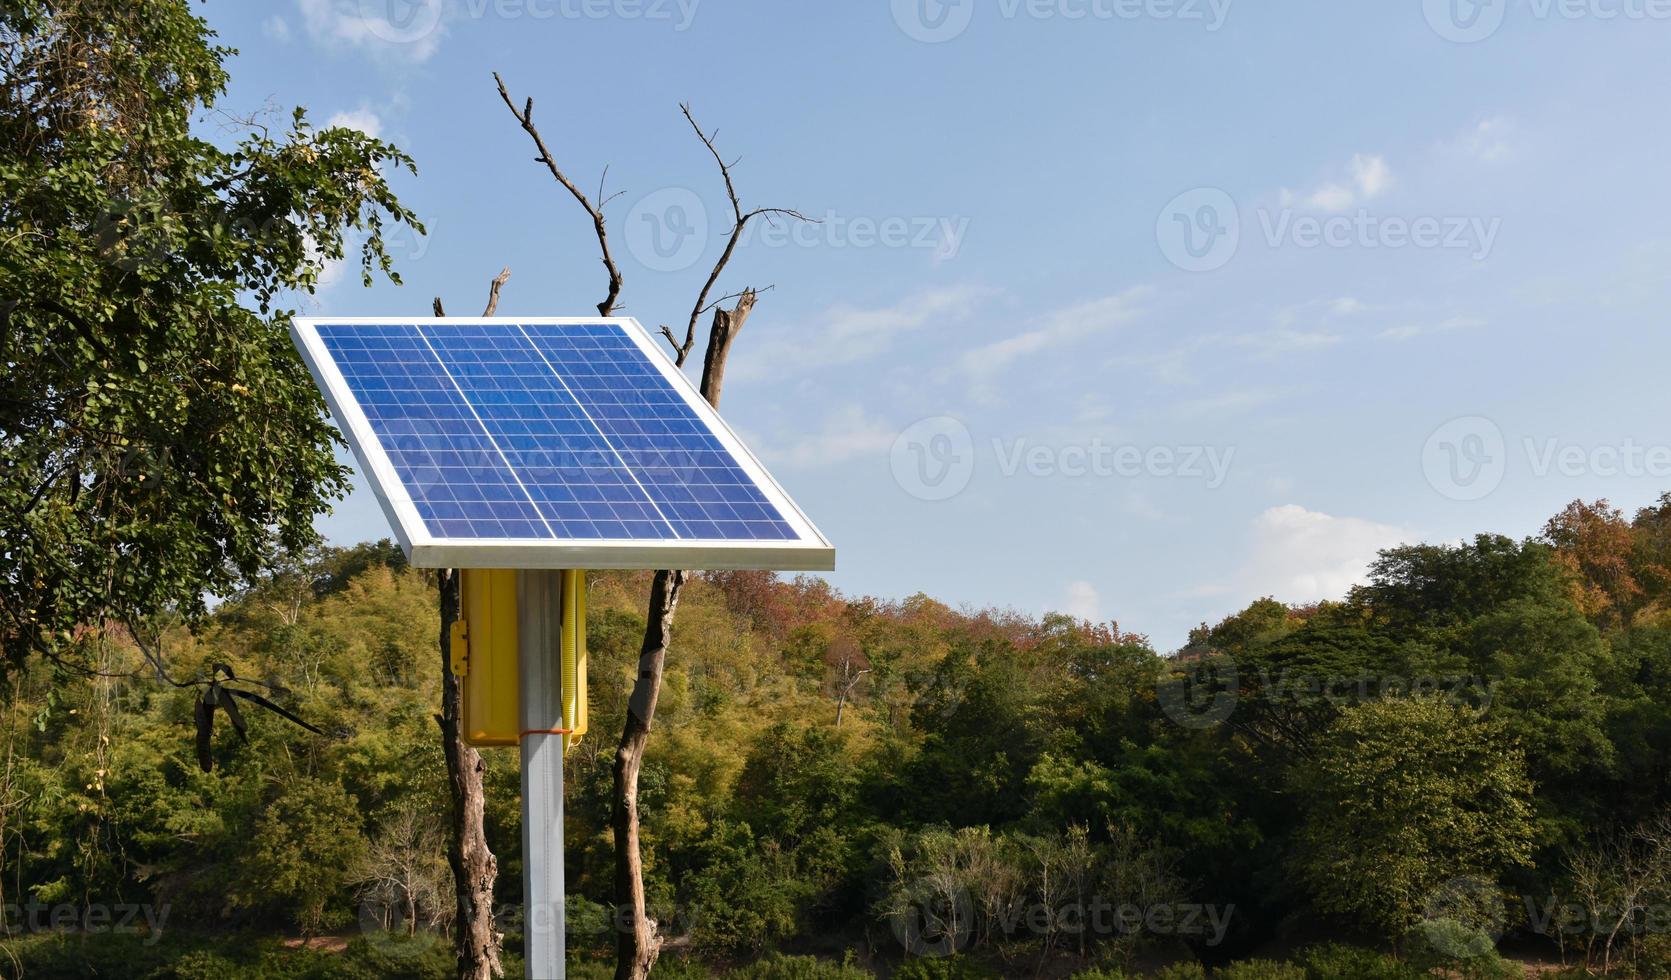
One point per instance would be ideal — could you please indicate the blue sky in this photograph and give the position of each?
(1135, 309)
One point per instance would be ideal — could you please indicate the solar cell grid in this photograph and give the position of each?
(549, 432)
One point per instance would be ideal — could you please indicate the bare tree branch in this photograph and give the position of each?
(493, 288)
(740, 219)
(494, 285)
(525, 117)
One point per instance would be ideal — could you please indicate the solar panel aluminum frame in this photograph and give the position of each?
(809, 551)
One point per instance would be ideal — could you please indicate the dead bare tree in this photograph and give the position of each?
(848, 657)
(1617, 881)
(476, 941)
(637, 941)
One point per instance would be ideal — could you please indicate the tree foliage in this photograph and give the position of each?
(1404, 796)
(1382, 757)
(160, 440)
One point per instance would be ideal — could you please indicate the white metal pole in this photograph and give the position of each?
(539, 658)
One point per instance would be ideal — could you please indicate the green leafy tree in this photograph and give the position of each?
(159, 438)
(305, 851)
(1426, 589)
(1403, 797)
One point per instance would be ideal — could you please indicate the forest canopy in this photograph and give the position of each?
(1478, 731)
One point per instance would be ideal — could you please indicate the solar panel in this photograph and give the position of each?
(550, 443)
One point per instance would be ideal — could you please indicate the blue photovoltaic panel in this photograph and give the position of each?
(542, 431)
(695, 484)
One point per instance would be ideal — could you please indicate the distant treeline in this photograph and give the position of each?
(1472, 747)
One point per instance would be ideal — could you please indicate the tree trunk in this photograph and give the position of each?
(474, 866)
(727, 324)
(637, 945)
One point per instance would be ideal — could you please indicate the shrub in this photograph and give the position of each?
(943, 968)
(672, 968)
(1260, 970)
(1651, 955)
(598, 970)
(1099, 974)
(1458, 948)
(780, 967)
(199, 964)
(423, 957)
(1332, 961)
(1181, 971)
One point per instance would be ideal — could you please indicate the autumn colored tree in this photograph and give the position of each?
(1596, 546)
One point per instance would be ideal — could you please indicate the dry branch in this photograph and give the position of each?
(525, 118)
(740, 219)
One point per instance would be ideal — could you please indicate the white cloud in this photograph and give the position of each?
(332, 272)
(406, 30)
(845, 335)
(362, 119)
(1082, 602)
(848, 434)
(1490, 141)
(1237, 401)
(1285, 341)
(1300, 555)
(1057, 327)
(1137, 504)
(1412, 330)
(276, 28)
(1367, 177)
(1338, 307)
